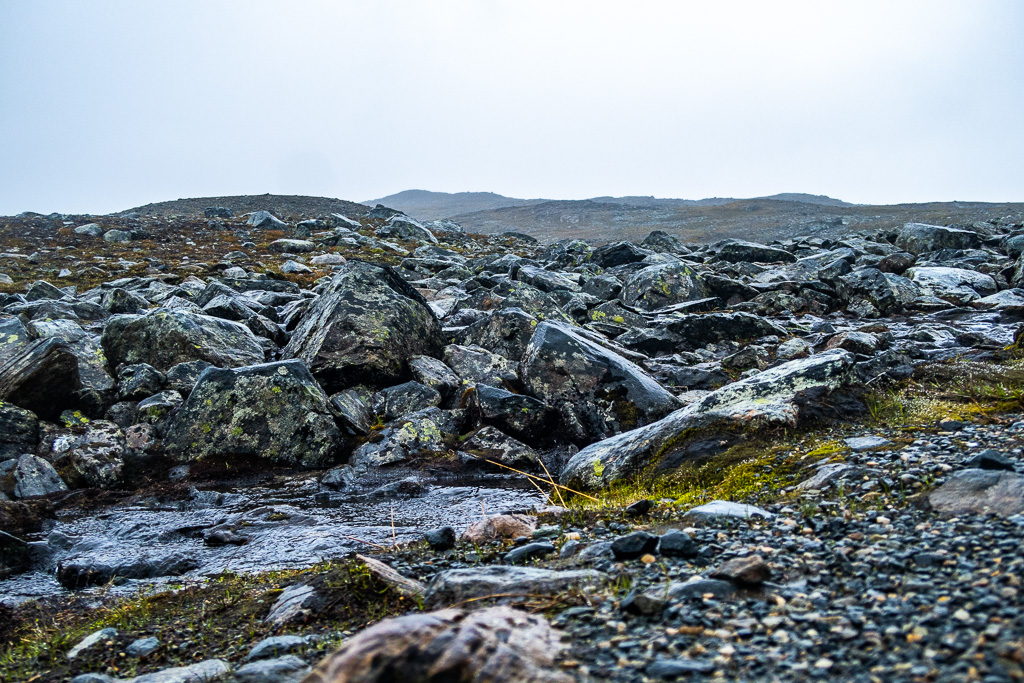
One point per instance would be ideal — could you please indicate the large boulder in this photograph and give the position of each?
(42, 377)
(19, 431)
(505, 332)
(957, 285)
(601, 392)
(427, 432)
(663, 284)
(163, 338)
(364, 328)
(274, 411)
(888, 293)
(495, 644)
(98, 457)
(770, 398)
(738, 251)
(980, 492)
(918, 238)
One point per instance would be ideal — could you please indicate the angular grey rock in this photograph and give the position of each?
(738, 251)
(506, 332)
(206, 671)
(286, 669)
(287, 246)
(165, 338)
(918, 238)
(274, 411)
(142, 647)
(478, 365)
(435, 374)
(491, 445)
(91, 640)
(768, 398)
(266, 220)
(34, 476)
(980, 492)
(118, 236)
(364, 329)
(956, 285)
(723, 509)
(97, 459)
(276, 645)
(523, 417)
(426, 431)
(602, 391)
(291, 605)
(42, 376)
(394, 402)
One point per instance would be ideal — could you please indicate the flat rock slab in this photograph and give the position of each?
(458, 585)
(980, 492)
(724, 509)
(867, 443)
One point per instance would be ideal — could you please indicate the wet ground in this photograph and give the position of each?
(287, 525)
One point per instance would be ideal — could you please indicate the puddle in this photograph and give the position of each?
(289, 526)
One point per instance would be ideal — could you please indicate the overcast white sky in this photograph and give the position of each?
(109, 105)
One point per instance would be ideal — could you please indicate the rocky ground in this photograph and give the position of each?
(232, 446)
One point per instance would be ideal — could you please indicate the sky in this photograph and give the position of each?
(110, 105)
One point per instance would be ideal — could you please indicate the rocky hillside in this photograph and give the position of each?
(429, 206)
(357, 447)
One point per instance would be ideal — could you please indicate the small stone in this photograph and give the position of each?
(528, 552)
(639, 508)
(989, 459)
(676, 543)
(441, 539)
(634, 545)
(142, 647)
(276, 645)
(866, 443)
(674, 668)
(648, 559)
(751, 570)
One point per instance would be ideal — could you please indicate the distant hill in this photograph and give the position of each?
(288, 207)
(428, 206)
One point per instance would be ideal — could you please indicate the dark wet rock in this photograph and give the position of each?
(221, 212)
(639, 508)
(661, 242)
(228, 307)
(530, 551)
(34, 476)
(676, 543)
(744, 571)
(19, 431)
(441, 539)
(435, 374)
(105, 564)
(183, 376)
(978, 491)
(604, 287)
(478, 365)
(409, 487)
(42, 377)
(41, 289)
(165, 338)
(222, 535)
(989, 459)
(275, 411)
(135, 382)
(736, 251)
(662, 285)
(425, 432)
(918, 238)
(156, 408)
(523, 417)
(13, 336)
(499, 527)
(505, 332)
(489, 444)
(886, 292)
(768, 398)
(454, 586)
(494, 644)
(15, 554)
(618, 254)
(364, 328)
(351, 412)
(697, 330)
(602, 391)
(339, 478)
(634, 545)
(401, 399)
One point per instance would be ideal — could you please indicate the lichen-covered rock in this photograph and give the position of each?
(736, 251)
(274, 411)
(602, 391)
(766, 399)
(97, 459)
(524, 417)
(165, 338)
(19, 431)
(490, 445)
(486, 646)
(435, 374)
(34, 476)
(425, 432)
(396, 401)
(364, 329)
(477, 364)
(505, 332)
(661, 285)
(918, 238)
(888, 293)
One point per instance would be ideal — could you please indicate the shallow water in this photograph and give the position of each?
(288, 525)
